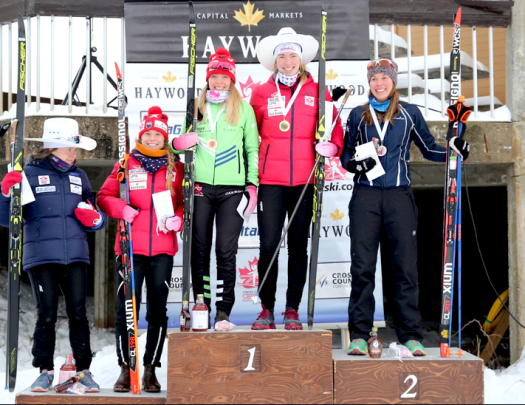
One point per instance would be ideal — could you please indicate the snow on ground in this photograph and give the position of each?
(502, 386)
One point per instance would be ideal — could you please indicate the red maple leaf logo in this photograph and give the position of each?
(197, 190)
(250, 275)
(247, 88)
(334, 170)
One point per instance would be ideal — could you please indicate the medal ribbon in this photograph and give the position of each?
(281, 102)
(380, 131)
(213, 123)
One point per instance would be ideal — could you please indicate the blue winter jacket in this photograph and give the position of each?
(51, 233)
(408, 126)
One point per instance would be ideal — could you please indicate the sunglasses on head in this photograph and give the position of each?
(73, 138)
(380, 62)
(215, 65)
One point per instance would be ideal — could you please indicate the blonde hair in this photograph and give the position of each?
(302, 68)
(233, 105)
(172, 158)
(389, 115)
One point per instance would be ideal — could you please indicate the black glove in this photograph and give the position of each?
(460, 146)
(338, 92)
(361, 166)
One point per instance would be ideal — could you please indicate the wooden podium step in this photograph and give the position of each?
(245, 366)
(105, 396)
(430, 379)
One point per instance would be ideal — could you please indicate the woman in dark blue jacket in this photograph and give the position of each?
(55, 251)
(386, 203)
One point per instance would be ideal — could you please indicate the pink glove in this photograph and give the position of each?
(185, 141)
(9, 181)
(252, 201)
(87, 214)
(129, 214)
(326, 149)
(174, 224)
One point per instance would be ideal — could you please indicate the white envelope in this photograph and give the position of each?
(163, 208)
(27, 193)
(365, 151)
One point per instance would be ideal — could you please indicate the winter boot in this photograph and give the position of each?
(221, 316)
(123, 383)
(149, 380)
(265, 320)
(291, 320)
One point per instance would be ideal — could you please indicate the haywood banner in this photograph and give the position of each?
(156, 74)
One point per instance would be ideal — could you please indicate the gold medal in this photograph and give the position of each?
(284, 126)
(212, 144)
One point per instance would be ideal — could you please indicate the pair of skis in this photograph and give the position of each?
(15, 218)
(458, 113)
(126, 244)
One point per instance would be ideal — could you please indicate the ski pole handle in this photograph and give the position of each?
(339, 111)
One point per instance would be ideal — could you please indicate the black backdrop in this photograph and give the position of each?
(154, 30)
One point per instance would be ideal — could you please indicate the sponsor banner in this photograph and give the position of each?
(158, 32)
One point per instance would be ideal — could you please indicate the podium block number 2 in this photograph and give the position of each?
(409, 385)
(250, 357)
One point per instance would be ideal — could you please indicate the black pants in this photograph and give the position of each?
(47, 281)
(275, 203)
(393, 211)
(217, 203)
(157, 272)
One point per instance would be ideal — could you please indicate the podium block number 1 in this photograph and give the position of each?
(250, 358)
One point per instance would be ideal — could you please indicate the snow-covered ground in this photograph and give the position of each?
(501, 387)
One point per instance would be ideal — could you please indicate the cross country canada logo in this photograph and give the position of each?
(335, 171)
(249, 275)
(247, 88)
(249, 17)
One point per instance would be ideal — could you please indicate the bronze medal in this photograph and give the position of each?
(212, 144)
(284, 126)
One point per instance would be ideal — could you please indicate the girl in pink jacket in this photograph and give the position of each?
(152, 169)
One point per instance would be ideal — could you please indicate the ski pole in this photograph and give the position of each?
(255, 299)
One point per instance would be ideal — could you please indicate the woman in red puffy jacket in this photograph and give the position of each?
(286, 108)
(152, 169)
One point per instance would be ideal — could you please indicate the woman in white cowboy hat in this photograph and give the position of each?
(286, 108)
(55, 251)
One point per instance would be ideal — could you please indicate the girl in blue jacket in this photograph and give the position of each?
(55, 251)
(386, 203)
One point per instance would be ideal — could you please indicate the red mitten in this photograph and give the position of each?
(87, 214)
(9, 181)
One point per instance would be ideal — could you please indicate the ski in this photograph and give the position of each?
(319, 171)
(15, 217)
(450, 201)
(189, 162)
(126, 245)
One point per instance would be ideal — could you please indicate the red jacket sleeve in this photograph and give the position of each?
(108, 198)
(337, 133)
(256, 103)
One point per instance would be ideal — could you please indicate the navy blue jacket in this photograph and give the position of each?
(51, 233)
(408, 126)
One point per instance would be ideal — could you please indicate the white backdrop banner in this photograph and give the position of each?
(165, 85)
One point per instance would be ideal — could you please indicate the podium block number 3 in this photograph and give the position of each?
(409, 385)
(250, 357)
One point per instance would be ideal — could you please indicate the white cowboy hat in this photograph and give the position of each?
(62, 133)
(266, 46)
